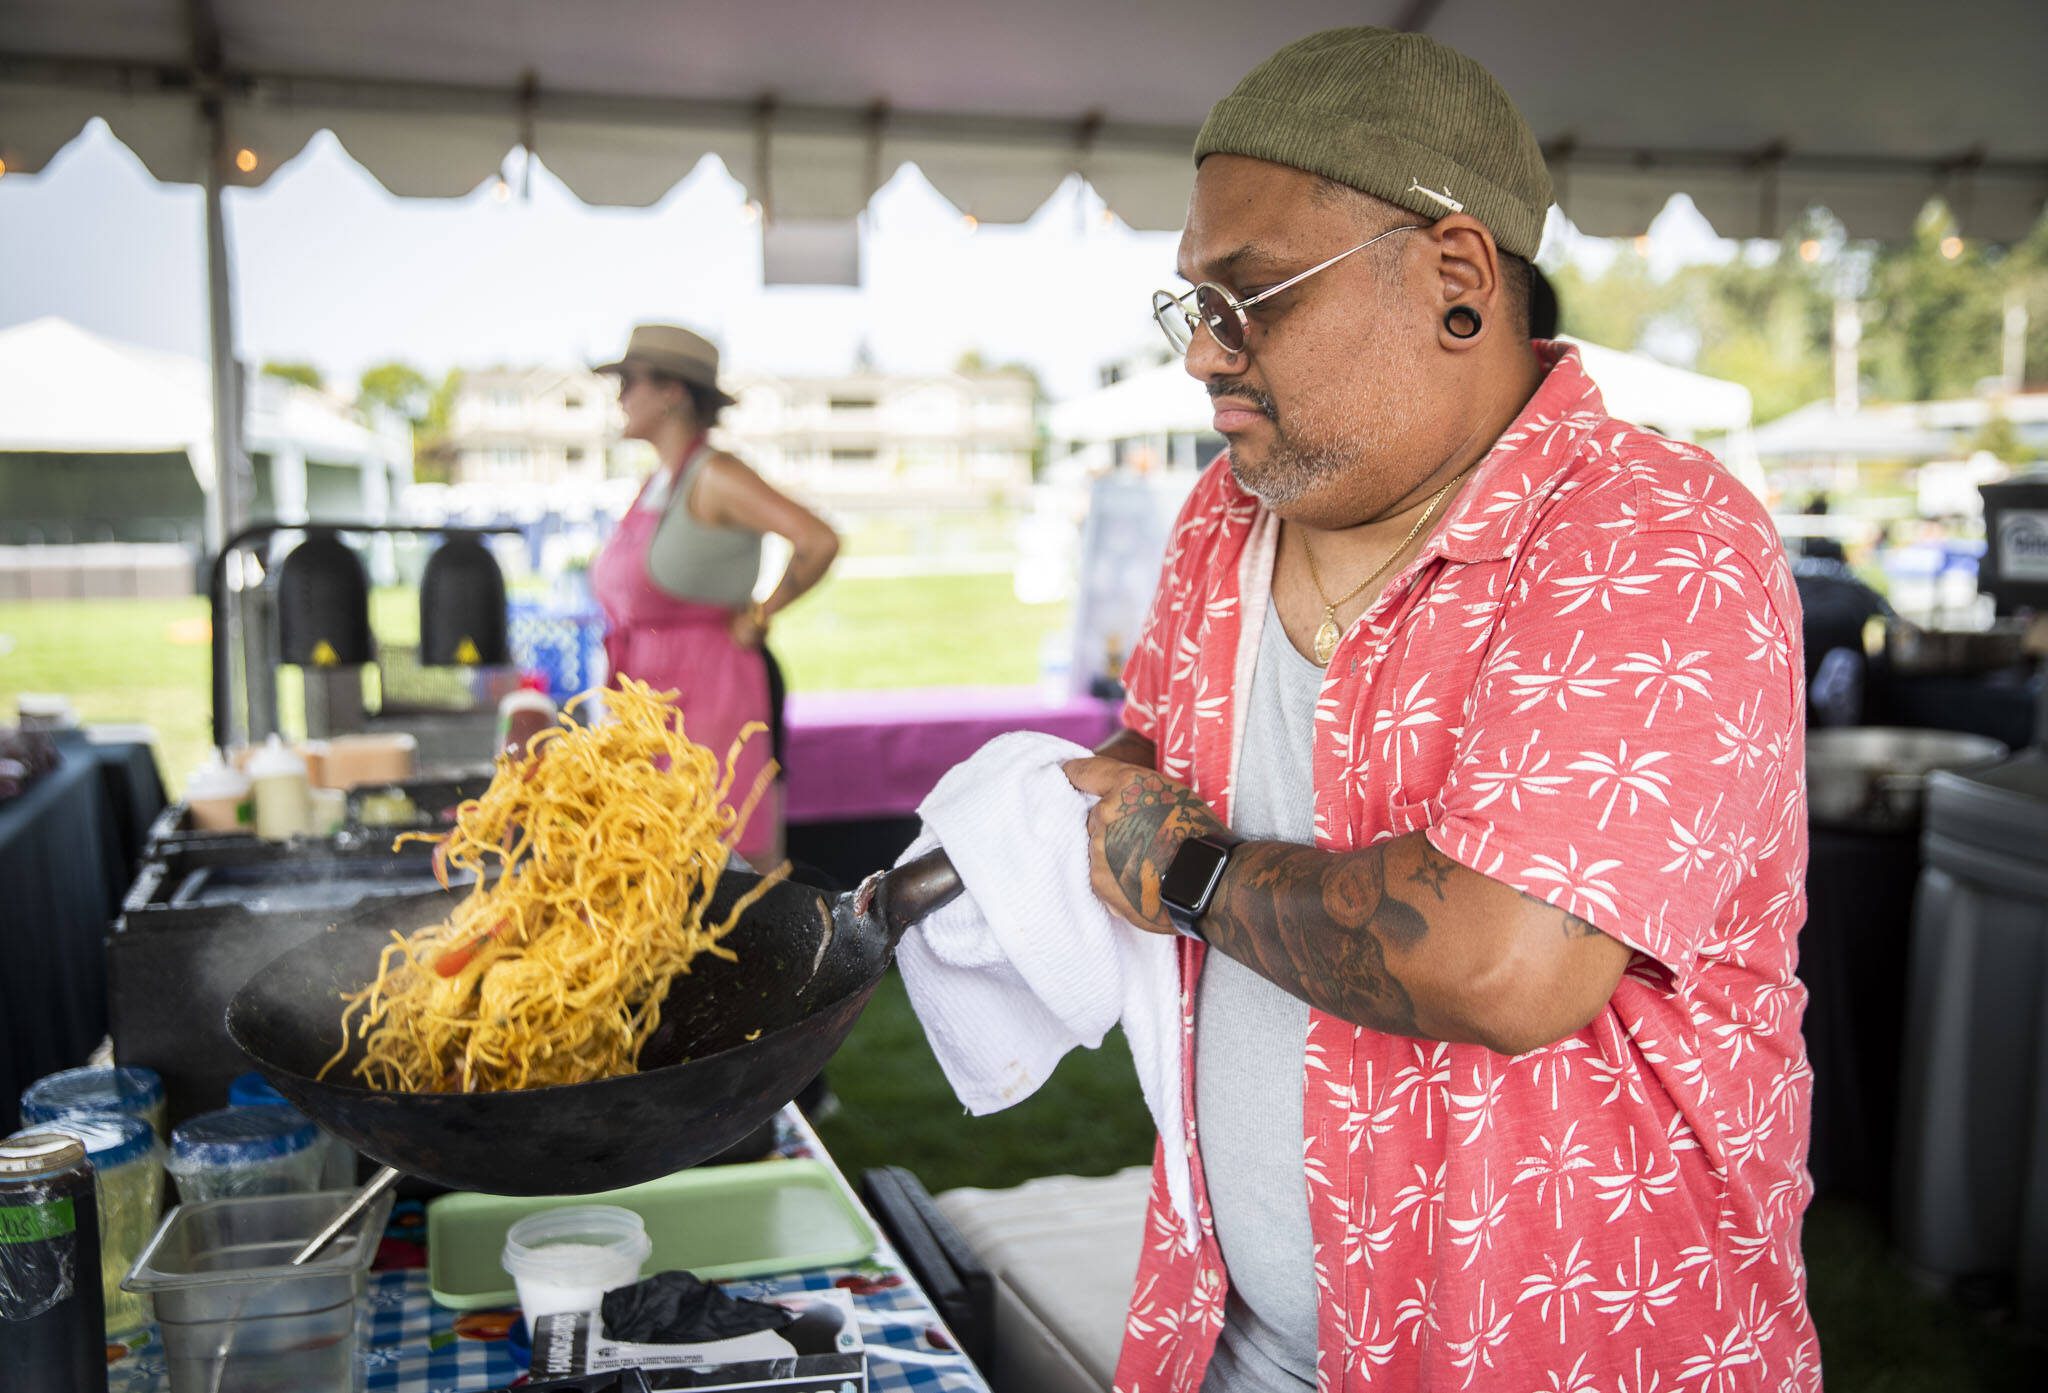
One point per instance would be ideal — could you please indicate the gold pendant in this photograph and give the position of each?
(1326, 637)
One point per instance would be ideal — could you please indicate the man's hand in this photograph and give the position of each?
(1137, 824)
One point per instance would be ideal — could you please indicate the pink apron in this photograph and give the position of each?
(653, 637)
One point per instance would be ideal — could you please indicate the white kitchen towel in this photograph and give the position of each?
(1028, 963)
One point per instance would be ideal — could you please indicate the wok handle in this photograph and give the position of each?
(377, 1185)
(902, 897)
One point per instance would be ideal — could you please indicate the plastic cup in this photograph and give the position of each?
(567, 1259)
(245, 1151)
(126, 1089)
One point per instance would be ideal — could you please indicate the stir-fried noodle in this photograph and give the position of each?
(609, 839)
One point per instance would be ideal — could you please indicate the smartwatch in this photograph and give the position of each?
(1189, 885)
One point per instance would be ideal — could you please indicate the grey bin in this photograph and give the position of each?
(1972, 1194)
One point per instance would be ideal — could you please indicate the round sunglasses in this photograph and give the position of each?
(1223, 313)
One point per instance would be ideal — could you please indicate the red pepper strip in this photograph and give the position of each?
(441, 863)
(458, 957)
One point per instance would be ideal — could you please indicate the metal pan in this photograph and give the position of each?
(737, 1040)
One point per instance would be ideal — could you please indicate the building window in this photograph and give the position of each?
(853, 403)
(572, 401)
(575, 454)
(853, 457)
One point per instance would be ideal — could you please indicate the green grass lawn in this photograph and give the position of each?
(148, 660)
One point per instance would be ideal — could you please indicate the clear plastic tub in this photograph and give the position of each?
(567, 1259)
(128, 1180)
(246, 1151)
(236, 1316)
(124, 1089)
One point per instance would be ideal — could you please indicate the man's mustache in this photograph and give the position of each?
(1243, 392)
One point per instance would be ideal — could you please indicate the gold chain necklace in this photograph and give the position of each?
(1328, 633)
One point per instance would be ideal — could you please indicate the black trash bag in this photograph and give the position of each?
(674, 1308)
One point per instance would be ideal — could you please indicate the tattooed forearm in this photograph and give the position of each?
(1321, 925)
(1434, 870)
(1153, 817)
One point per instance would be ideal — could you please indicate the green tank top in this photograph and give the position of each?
(692, 560)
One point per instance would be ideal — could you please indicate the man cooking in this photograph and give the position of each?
(1464, 742)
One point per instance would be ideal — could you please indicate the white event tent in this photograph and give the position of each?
(1756, 108)
(67, 392)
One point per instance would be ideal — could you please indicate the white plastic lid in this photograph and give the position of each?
(275, 758)
(577, 1244)
(216, 779)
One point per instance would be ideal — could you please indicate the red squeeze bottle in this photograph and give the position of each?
(524, 714)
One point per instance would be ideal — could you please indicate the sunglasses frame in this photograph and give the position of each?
(1165, 302)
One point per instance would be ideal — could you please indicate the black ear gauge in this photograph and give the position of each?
(1462, 321)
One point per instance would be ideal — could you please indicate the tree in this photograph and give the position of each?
(1766, 323)
(432, 459)
(1611, 309)
(1936, 308)
(305, 374)
(397, 387)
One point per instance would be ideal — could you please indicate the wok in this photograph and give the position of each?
(736, 1041)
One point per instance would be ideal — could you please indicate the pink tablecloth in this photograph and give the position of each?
(877, 754)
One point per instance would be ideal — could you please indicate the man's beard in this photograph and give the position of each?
(1292, 467)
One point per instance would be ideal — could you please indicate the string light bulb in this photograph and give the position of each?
(750, 212)
(1809, 250)
(1642, 244)
(3, 169)
(245, 160)
(501, 190)
(969, 221)
(1951, 246)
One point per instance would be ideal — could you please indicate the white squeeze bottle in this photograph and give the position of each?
(284, 805)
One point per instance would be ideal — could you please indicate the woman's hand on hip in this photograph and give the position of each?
(1139, 820)
(749, 626)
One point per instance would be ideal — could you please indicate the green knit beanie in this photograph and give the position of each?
(1392, 114)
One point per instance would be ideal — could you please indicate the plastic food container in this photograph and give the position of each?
(128, 1175)
(127, 1089)
(355, 760)
(338, 1169)
(568, 1258)
(282, 791)
(327, 811)
(246, 1151)
(236, 1316)
(218, 798)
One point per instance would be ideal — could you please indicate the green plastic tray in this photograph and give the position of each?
(715, 1221)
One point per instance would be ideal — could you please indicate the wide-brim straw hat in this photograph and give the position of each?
(672, 351)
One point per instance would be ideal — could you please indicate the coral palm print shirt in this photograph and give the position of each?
(1587, 686)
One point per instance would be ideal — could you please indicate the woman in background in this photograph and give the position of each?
(676, 581)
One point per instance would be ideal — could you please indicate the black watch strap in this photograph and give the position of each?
(1190, 883)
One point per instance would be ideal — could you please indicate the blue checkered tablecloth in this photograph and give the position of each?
(410, 1345)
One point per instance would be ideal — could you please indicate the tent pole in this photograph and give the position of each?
(230, 504)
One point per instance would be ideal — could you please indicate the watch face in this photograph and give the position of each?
(1192, 875)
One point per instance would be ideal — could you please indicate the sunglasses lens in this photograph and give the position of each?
(1221, 317)
(1172, 317)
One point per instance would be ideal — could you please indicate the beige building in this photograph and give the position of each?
(864, 440)
(872, 439)
(532, 426)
